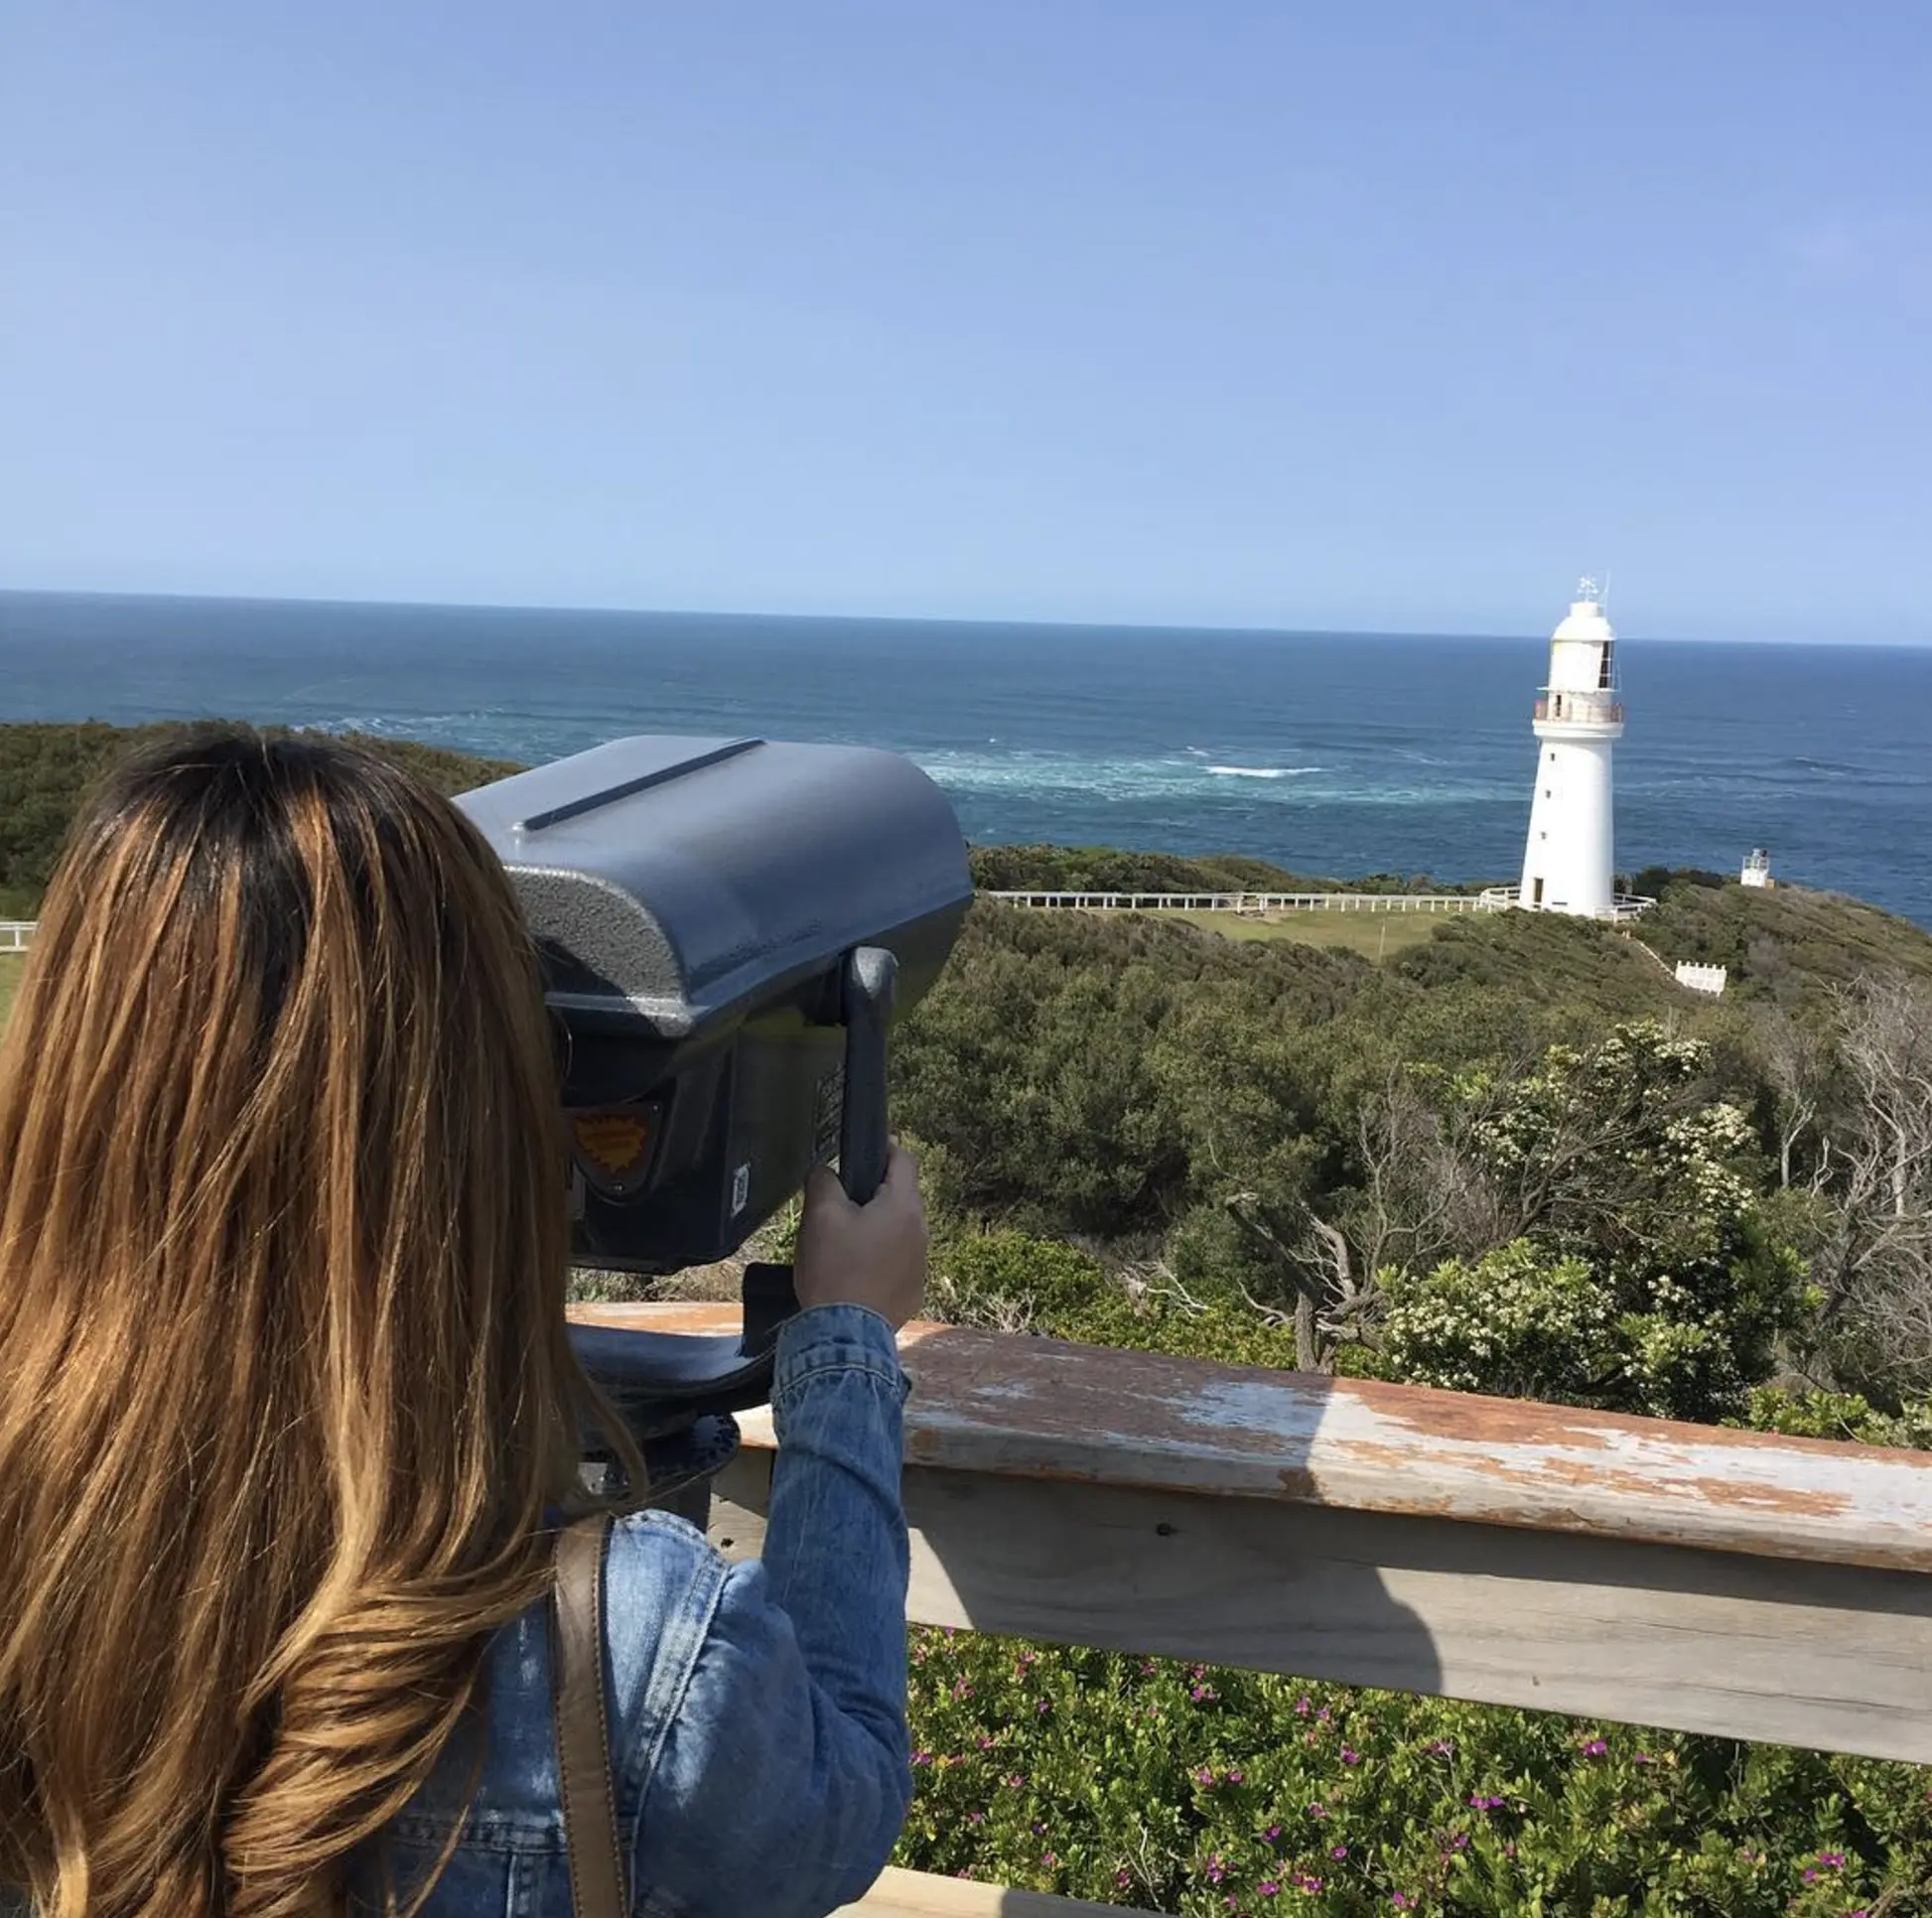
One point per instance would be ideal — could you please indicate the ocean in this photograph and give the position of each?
(1332, 753)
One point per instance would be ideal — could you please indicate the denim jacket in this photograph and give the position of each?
(758, 1711)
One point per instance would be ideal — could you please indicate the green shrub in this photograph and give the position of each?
(1019, 1282)
(1644, 1274)
(1840, 1416)
(1223, 1794)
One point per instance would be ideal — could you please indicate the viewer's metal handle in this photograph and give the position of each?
(865, 1135)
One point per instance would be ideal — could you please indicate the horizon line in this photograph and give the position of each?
(600, 610)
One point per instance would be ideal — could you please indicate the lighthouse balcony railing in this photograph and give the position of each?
(1583, 709)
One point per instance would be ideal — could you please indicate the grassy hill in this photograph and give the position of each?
(1784, 942)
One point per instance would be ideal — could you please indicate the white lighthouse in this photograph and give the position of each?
(1568, 865)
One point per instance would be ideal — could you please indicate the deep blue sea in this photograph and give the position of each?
(1334, 753)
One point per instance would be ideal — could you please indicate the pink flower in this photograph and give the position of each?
(1832, 1860)
(1206, 1776)
(1339, 1851)
(1214, 1871)
(1443, 1748)
(1306, 1882)
(1271, 1834)
(1235, 1777)
(1317, 1811)
(1485, 1801)
(1122, 1879)
(923, 1758)
(1049, 1857)
(1302, 1708)
(1403, 1902)
(1350, 1758)
(1269, 1888)
(1594, 1747)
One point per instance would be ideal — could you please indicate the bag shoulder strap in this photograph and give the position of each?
(597, 1887)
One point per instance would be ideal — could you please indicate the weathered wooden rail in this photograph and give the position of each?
(1686, 1577)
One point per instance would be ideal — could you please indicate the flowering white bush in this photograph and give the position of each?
(1646, 1280)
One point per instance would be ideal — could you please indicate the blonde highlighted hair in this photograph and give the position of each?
(285, 1386)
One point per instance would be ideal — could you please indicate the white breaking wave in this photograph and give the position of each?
(1053, 780)
(1263, 772)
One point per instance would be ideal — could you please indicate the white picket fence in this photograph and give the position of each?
(1247, 903)
(16, 935)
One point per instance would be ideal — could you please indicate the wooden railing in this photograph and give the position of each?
(1686, 1577)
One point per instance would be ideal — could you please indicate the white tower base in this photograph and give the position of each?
(1570, 861)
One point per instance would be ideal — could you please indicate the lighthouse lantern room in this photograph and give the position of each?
(1569, 865)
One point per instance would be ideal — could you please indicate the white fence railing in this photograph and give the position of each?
(1623, 907)
(16, 935)
(1248, 902)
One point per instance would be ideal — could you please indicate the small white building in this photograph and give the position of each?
(1701, 979)
(1568, 863)
(1757, 868)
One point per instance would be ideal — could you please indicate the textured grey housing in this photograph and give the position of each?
(677, 884)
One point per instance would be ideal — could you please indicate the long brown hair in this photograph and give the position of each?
(285, 1384)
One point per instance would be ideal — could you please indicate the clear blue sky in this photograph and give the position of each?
(1356, 312)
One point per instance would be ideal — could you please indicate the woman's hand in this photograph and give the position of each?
(871, 1255)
